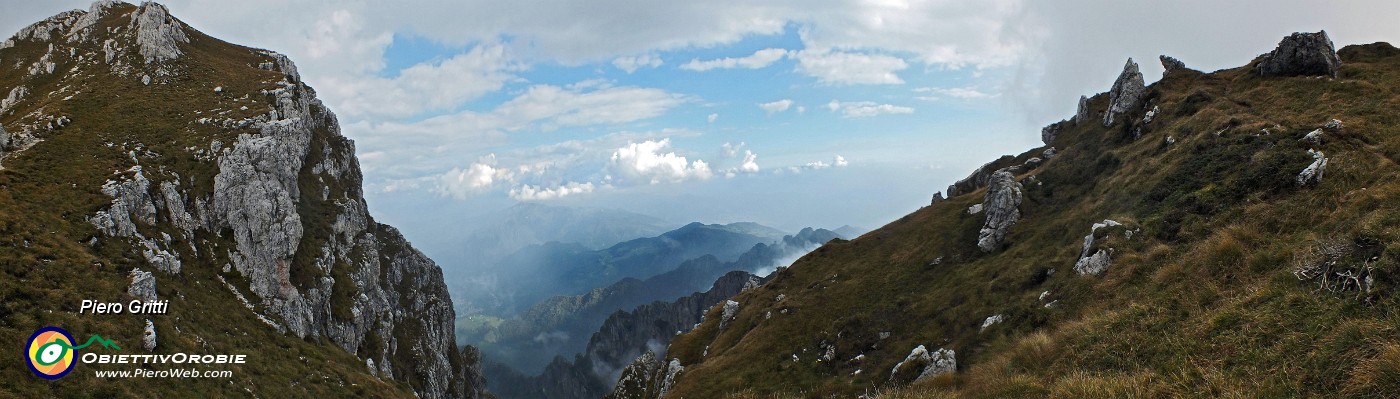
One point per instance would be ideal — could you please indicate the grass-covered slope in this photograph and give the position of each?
(1201, 301)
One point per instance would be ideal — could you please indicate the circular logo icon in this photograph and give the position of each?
(50, 352)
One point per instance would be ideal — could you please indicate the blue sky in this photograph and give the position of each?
(718, 111)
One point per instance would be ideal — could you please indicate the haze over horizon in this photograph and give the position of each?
(828, 114)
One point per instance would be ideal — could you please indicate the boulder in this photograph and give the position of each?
(937, 197)
(1314, 137)
(925, 364)
(1313, 173)
(1301, 54)
(1097, 262)
(1333, 125)
(992, 320)
(1002, 205)
(1127, 92)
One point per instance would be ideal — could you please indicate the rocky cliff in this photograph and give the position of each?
(218, 157)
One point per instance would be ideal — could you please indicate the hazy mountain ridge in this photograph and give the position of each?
(556, 326)
(537, 272)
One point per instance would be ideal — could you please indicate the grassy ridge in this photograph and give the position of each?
(1202, 302)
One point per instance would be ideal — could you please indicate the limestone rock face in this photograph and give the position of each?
(1127, 92)
(5, 143)
(157, 33)
(647, 378)
(143, 285)
(1002, 206)
(1301, 54)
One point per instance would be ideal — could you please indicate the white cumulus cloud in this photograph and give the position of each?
(528, 192)
(961, 93)
(631, 64)
(865, 109)
(649, 162)
(479, 177)
(849, 68)
(776, 106)
(759, 59)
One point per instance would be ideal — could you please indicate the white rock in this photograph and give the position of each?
(731, 309)
(148, 339)
(1333, 125)
(974, 209)
(1314, 137)
(1094, 264)
(942, 361)
(1313, 173)
(1002, 203)
(992, 320)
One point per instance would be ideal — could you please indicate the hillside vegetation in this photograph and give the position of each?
(1229, 275)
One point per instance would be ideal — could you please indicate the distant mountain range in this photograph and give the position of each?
(536, 272)
(558, 325)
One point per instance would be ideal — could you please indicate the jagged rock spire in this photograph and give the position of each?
(1127, 92)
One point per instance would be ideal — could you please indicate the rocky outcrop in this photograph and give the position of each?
(158, 34)
(1093, 260)
(1170, 65)
(1301, 54)
(1082, 113)
(980, 177)
(1047, 133)
(921, 364)
(143, 285)
(148, 337)
(1312, 174)
(1002, 205)
(1126, 94)
(731, 309)
(937, 197)
(16, 94)
(5, 143)
(647, 378)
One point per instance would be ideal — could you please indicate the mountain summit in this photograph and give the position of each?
(142, 157)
